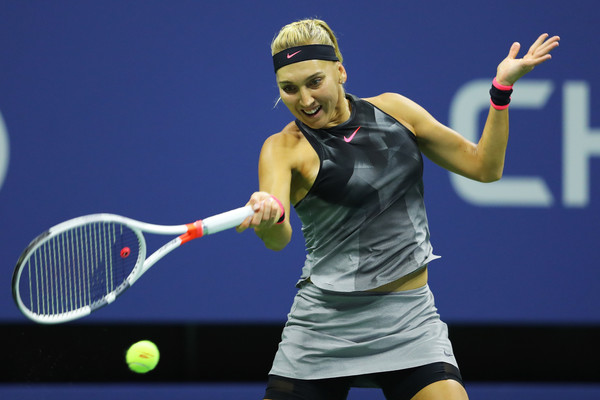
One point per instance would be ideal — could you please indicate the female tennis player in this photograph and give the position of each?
(352, 168)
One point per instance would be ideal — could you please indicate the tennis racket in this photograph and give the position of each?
(83, 264)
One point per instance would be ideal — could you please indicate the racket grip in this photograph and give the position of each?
(226, 220)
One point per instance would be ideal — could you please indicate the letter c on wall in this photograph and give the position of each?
(467, 105)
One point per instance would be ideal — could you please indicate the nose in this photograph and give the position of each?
(306, 98)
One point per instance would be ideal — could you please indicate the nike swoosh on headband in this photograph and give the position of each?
(293, 54)
(348, 140)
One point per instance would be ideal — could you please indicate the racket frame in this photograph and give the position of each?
(186, 233)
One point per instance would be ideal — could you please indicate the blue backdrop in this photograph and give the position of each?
(157, 110)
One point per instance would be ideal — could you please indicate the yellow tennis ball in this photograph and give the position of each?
(142, 356)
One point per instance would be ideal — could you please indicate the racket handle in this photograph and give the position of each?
(226, 220)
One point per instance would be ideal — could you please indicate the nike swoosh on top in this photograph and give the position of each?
(348, 140)
(293, 54)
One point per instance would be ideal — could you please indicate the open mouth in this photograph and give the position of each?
(312, 112)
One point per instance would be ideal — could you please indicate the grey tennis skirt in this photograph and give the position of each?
(333, 334)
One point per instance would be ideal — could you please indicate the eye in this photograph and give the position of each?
(315, 82)
(289, 89)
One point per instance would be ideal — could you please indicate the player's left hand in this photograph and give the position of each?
(511, 69)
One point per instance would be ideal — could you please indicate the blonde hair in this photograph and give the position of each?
(303, 32)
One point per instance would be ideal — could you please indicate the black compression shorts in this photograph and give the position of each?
(396, 385)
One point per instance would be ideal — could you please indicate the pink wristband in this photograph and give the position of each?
(498, 107)
(282, 216)
(499, 86)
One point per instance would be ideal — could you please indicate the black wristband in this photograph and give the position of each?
(500, 97)
(282, 218)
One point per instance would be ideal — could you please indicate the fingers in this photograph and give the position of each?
(266, 212)
(243, 226)
(539, 41)
(514, 50)
(549, 45)
(265, 208)
(511, 69)
(541, 48)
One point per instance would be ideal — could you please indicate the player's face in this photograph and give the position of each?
(313, 92)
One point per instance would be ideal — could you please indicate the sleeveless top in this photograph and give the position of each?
(364, 219)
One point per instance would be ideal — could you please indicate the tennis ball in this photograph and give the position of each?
(142, 356)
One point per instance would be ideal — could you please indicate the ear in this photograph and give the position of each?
(343, 76)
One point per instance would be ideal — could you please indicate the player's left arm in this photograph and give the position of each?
(482, 161)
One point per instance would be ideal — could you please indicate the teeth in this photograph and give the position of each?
(313, 111)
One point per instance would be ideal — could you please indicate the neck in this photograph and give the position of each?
(344, 108)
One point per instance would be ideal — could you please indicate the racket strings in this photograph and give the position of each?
(78, 267)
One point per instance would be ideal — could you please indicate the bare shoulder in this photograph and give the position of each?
(287, 138)
(400, 107)
(386, 98)
(390, 102)
(285, 147)
(288, 153)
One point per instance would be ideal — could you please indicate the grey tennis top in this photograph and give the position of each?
(364, 219)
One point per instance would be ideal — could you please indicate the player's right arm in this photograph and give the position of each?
(275, 175)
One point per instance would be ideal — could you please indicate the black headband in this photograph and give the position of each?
(303, 53)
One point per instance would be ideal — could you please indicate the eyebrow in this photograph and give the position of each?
(306, 80)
